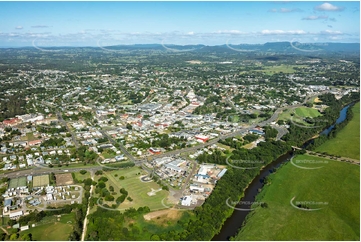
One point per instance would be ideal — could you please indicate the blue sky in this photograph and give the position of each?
(210, 23)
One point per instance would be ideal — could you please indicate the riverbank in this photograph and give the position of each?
(225, 233)
(329, 194)
(242, 208)
(346, 140)
(266, 195)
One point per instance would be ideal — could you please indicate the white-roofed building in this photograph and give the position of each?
(186, 201)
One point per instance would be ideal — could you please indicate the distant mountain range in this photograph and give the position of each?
(267, 47)
(286, 47)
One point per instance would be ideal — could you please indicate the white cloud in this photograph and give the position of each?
(285, 10)
(328, 7)
(229, 32)
(313, 17)
(331, 32)
(273, 32)
(19, 27)
(40, 26)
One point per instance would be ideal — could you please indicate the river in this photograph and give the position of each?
(341, 118)
(234, 223)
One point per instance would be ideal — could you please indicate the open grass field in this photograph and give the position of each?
(235, 118)
(17, 182)
(51, 229)
(225, 147)
(107, 153)
(40, 181)
(81, 177)
(285, 115)
(298, 115)
(347, 141)
(30, 137)
(335, 188)
(137, 189)
(307, 112)
(269, 70)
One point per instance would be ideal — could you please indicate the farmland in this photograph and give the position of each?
(334, 189)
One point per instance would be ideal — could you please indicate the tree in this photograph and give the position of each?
(82, 172)
(129, 126)
(14, 237)
(155, 237)
(26, 237)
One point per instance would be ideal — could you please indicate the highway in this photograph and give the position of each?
(45, 170)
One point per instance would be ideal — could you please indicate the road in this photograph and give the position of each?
(62, 121)
(273, 118)
(139, 162)
(41, 171)
(122, 148)
(85, 224)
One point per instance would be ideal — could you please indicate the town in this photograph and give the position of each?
(132, 135)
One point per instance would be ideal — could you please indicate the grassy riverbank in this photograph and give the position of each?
(347, 141)
(333, 189)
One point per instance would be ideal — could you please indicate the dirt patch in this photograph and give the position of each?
(163, 215)
(64, 179)
(317, 100)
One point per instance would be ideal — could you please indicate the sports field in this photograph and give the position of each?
(333, 189)
(17, 182)
(347, 141)
(307, 112)
(137, 189)
(40, 181)
(50, 229)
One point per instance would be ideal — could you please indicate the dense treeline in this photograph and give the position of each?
(51, 129)
(53, 142)
(298, 135)
(231, 186)
(333, 133)
(111, 225)
(12, 106)
(82, 153)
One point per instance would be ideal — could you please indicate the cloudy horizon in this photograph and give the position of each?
(179, 23)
